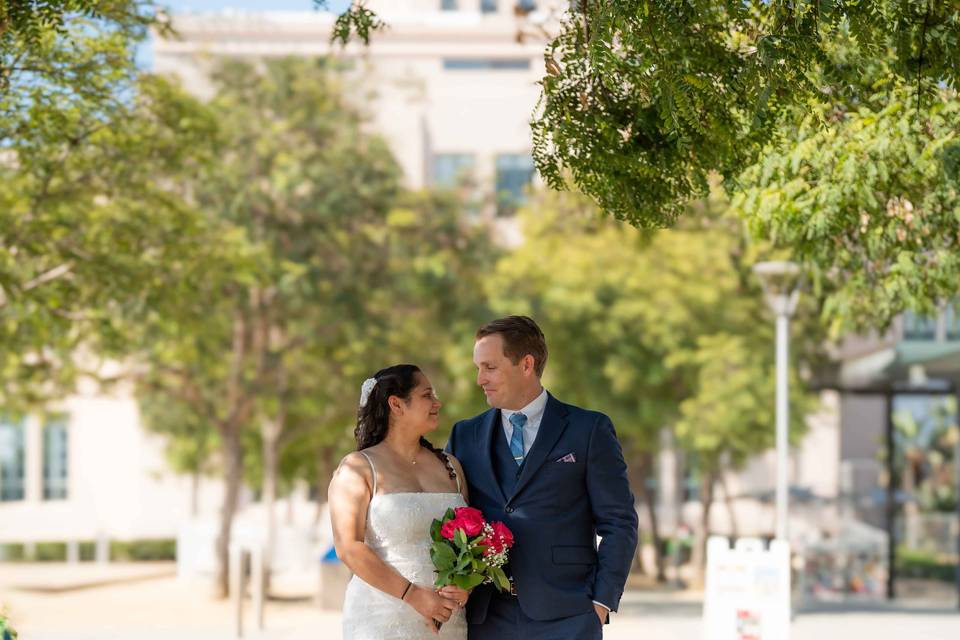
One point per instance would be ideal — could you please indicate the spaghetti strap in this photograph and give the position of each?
(373, 472)
(455, 474)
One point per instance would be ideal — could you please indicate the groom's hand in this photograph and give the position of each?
(602, 612)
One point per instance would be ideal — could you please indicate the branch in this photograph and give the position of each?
(42, 279)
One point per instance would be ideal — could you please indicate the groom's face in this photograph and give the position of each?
(502, 381)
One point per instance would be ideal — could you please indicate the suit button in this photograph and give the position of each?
(509, 509)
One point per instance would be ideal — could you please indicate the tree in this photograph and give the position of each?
(643, 99)
(868, 206)
(299, 180)
(652, 327)
(94, 232)
(423, 309)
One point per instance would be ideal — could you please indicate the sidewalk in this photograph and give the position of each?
(147, 606)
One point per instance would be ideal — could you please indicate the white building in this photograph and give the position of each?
(90, 472)
(453, 88)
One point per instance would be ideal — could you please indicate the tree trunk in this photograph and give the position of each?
(652, 514)
(233, 475)
(703, 531)
(728, 501)
(636, 476)
(270, 436)
(194, 493)
(324, 474)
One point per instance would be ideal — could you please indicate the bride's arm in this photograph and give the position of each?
(349, 496)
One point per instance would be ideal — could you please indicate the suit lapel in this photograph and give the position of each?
(485, 435)
(551, 428)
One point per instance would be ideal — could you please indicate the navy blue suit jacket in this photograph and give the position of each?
(556, 511)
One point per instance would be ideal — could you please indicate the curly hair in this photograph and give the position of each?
(373, 419)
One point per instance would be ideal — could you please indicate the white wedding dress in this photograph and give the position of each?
(398, 530)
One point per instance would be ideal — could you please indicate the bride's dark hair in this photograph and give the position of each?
(373, 418)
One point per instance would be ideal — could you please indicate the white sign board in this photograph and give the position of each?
(747, 590)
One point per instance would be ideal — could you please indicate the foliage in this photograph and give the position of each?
(357, 21)
(644, 99)
(926, 441)
(94, 233)
(865, 205)
(163, 549)
(657, 328)
(913, 563)
(7, 632)
(27, 25)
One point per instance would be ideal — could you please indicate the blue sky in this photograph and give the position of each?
(254, 5)
(145, 55)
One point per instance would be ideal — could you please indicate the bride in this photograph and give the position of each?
(382, 499)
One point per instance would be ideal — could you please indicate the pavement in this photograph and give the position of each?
(147, 601)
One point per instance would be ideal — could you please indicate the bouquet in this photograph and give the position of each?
(469, 551)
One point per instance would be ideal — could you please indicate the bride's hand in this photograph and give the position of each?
(454, 592)
(430, 604)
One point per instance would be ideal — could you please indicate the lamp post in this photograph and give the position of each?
(781, 284)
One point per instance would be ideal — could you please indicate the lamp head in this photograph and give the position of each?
(781, 283)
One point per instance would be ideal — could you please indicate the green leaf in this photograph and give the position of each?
(468, 581)
(500, 579)
(461, 539)
(443, 556)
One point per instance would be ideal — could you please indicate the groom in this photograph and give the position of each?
(554, 473)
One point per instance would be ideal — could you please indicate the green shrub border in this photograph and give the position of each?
(145, 550)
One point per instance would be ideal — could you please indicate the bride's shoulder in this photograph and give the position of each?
(355, 465)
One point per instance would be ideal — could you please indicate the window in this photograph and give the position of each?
(448, 5)
(488, 6)
(514, 173)
(918, 327)
(486, 64)
(11, 460)
(527, 5)
(55, 459)
(952, 321)
(448, 169)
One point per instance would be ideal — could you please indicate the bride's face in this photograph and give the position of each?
(422, 408)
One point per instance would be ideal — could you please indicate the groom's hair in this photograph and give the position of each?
(521, 336)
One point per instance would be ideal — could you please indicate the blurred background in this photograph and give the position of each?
(218, 224)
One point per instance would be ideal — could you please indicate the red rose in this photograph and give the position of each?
(499, 540)
(470, 520)
(449, 527)
(503, 534)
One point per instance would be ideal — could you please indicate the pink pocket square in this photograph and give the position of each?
(567, 458)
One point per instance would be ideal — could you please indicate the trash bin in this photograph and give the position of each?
(334, 577)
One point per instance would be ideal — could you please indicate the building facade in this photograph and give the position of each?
(450, 84)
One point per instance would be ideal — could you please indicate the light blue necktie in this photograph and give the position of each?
(516, 440)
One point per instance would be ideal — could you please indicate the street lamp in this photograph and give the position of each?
(781, 284)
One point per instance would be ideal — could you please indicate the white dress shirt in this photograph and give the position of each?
(534, 412)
